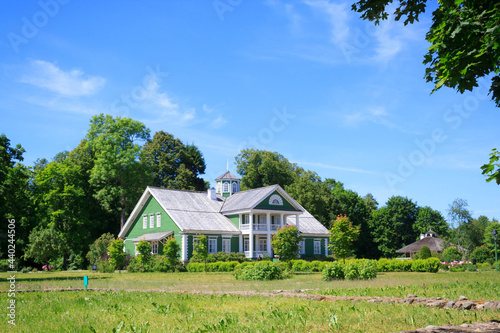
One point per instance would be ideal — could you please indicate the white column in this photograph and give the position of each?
(269, 248)
(240, 221)
(326, 247)
(241, 244)
(184, 248)
(282, 222)
(297, 221)
(250, 236)
(268, 222)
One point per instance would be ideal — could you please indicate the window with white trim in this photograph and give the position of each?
(247, 219)
(226, 245)
(225, 187)
(212, 245)
(151, 220)
(302, 247)
(262, 244)
(218, 188)
(262, 220)
(235, 187)
(158, 220)
(246, 244)
(154, 248)
(317, 246)
(277, 220)
(144, 221)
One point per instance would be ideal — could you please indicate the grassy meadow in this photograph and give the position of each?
(138, 311)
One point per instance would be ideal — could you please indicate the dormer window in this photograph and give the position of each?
(235, 187)
(225, 187)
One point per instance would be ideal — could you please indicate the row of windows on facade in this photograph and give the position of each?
(151, 220)
(226, 245)
(225, 187)
(261, 245)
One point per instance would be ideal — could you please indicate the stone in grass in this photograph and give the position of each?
(450, 304)
(468, 305)
(462, 298)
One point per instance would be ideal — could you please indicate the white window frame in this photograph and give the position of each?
(225, 187)
(246, 244)
(158, 220)
(262, 244)
(234, 187)
(154, 248)
(317, 246)
(219, 188)
(262, 219)
(144, 221)
(211, 247)
(247, 219)
(277, 219)
(226, 244)
(151, 221)
(302, 247)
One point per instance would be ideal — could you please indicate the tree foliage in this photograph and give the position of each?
(44, 244)
(174, 164)
(260, 168)
(99, 248)
(342, 237)
(201, 249)
(392, 225)
(464, 37)
(285, 243)
(172, 251)
(492, 169)
(117, 175)
(428, 218)
(116, 254)
(459, 217)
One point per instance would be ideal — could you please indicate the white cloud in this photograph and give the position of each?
(377, 115)
(44, 74)
(335, 167)
(338, 18)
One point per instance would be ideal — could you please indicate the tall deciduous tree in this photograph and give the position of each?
(342, 237)
(459, 217)
(392, 225)
(174, 164)
(15, 196)
(492, 169)
(260, 168)
(428, 218)
(117, 175)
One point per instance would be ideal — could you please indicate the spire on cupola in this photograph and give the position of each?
(227, 184)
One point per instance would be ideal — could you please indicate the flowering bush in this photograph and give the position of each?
(458, 266)
(47, 267)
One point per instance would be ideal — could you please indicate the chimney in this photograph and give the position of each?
(211, 194)
(422, 236)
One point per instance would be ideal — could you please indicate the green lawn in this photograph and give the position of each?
(101, 311)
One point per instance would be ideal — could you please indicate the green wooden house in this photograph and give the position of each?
(232, 220)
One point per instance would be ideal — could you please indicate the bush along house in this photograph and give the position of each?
(232, 220)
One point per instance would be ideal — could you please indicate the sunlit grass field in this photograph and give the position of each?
(138, 311)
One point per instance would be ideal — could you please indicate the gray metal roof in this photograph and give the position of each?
(308, 224)
(247, 199)
(227, 176)
(193, 210)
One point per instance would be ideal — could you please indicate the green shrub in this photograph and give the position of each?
(195, 267)
(437, 255)
(351, 270)
(471, 267)
(105, 266)
(452, 254)
(4, 265)
(483, 255)
(116, 254)
(424, 252)
(99, 248)
(333, 271)
(383, 265)
(367, 269)
(263, 270)
(300, 266)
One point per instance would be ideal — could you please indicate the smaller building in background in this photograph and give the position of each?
(430, 239)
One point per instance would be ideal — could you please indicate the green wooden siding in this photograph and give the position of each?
(264, 204)
(235, 219)
(137, 230)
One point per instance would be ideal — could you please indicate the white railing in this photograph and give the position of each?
(256, 254)
(275, 226)
(245, 227)
(260, 227)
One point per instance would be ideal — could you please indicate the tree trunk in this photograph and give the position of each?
(123, 213)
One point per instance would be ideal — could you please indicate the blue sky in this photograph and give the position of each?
(307, 79)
